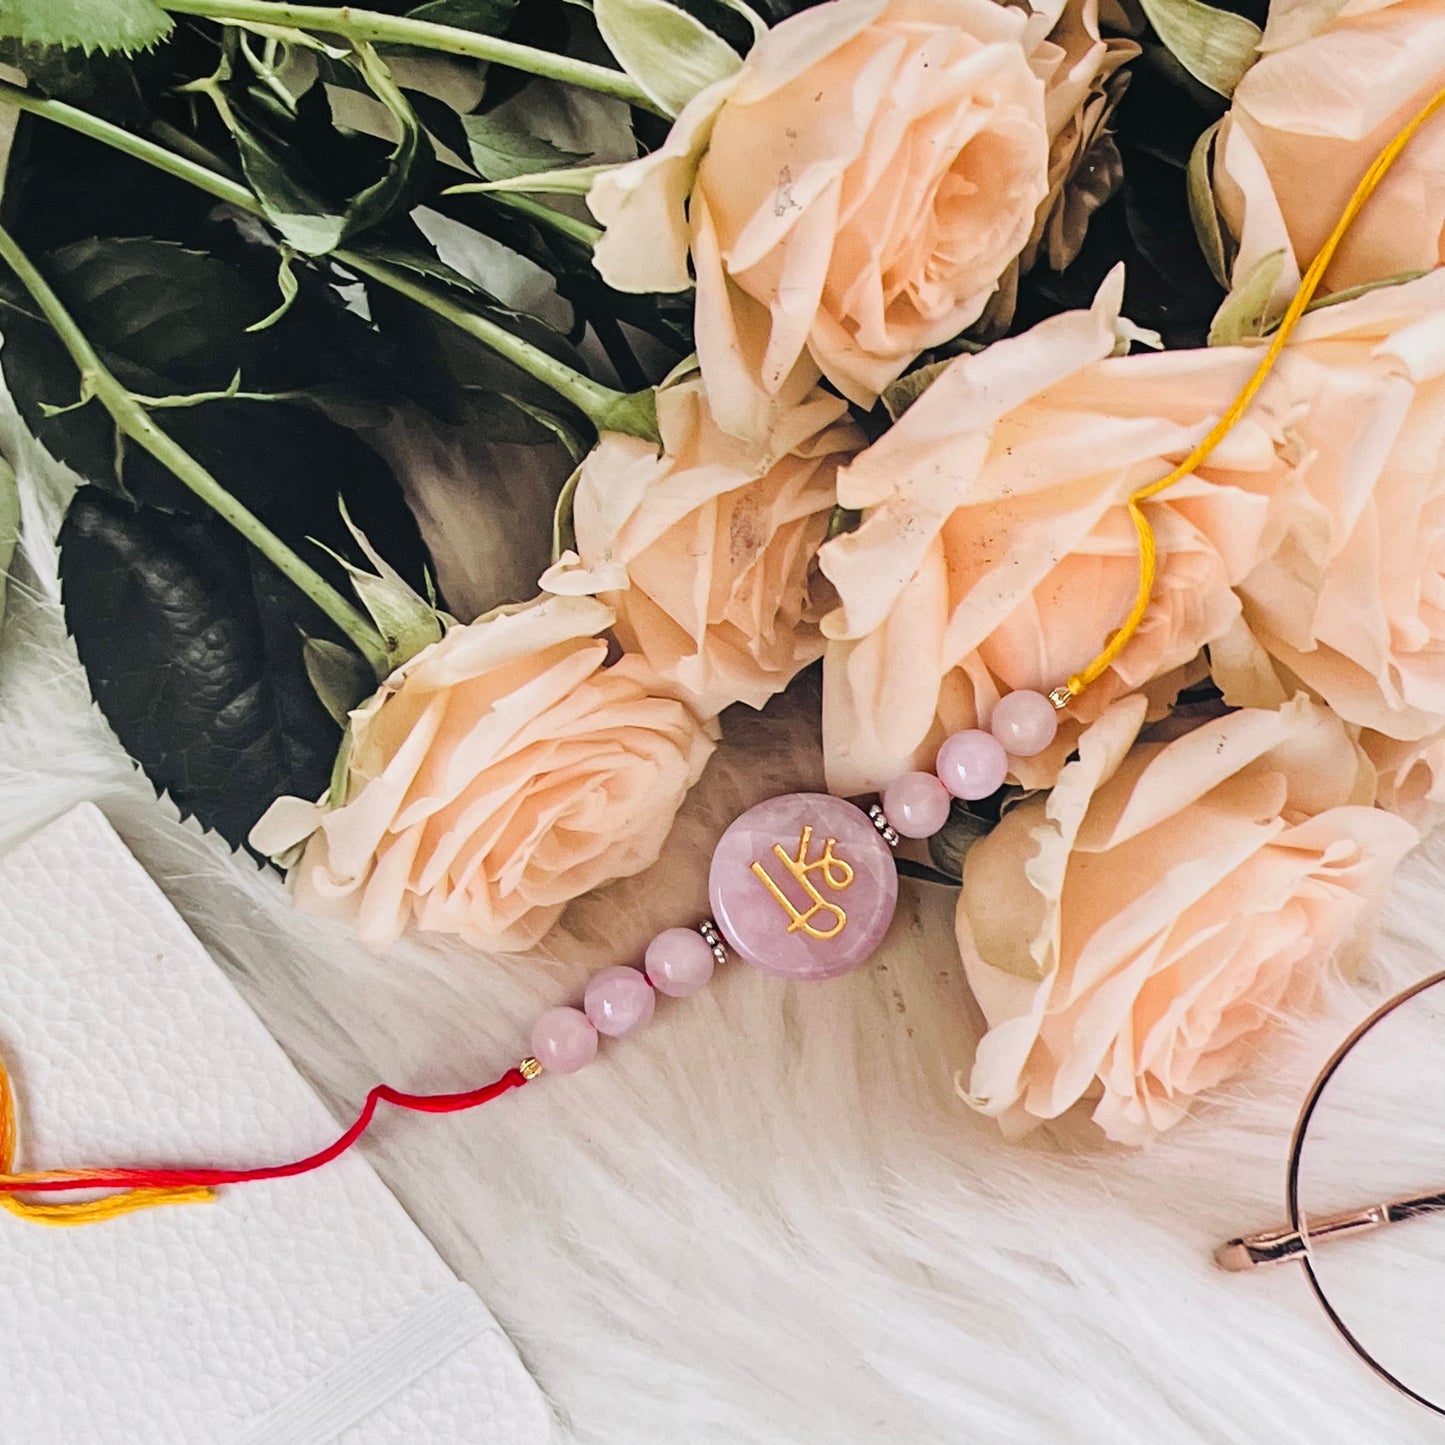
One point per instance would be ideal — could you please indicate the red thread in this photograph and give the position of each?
(183, 1178)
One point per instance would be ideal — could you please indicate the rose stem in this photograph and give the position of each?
(200, 176)
(424, 34)
(607, 409)
(133, 421)
(582, 232)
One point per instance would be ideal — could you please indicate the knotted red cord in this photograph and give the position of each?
(151, 1179)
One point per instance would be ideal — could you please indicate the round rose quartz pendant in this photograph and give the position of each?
(802, 886)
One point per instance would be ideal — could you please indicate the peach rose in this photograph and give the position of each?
(1131, 936)
(1410, 777)
(1335, 82)
(849, 198)
(996, 550)
(708, 552)
(1349, 598)
(499, 774)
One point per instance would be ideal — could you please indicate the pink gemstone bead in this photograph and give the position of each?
(619, 1001)
(563, 1040)
(1024, 722)
(917, 804)
(679, 962)
(972, 764)
(802, 886)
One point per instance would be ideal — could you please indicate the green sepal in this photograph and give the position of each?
(341, 678)
(289, 287)
(633, 413)
(899, 395)
(1247, 312)
(563, 181)
(670, 54)
(564, 533)
(336, 789)
(1203, 209)
(1215, 46)
(408, 623)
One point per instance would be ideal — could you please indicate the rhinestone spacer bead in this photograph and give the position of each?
(708, 929)
(886, 830)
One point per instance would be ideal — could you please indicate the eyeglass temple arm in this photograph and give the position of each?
(1277, 1246)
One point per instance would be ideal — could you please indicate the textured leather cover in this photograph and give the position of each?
(292, 1313)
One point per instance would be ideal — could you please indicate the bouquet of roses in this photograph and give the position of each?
(864, 334)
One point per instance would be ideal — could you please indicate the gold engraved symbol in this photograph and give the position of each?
(835, 873)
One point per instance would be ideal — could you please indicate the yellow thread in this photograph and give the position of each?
(79, 1211)
(1309, 283)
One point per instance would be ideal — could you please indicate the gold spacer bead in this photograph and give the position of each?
(1061, 697)
(530, 1068)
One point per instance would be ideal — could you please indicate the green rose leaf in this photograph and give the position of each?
(277, 170)
(106, 85)
(486, 17)
(308, 224)
(501, 152)
(191, 645)
(104, 25)
(164, 318)
(388, 194)
(1215, 46)
(166, 311)
(195, 646)
(665, 50)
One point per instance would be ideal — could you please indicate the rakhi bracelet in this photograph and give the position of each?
(802, 886)
(781, 900)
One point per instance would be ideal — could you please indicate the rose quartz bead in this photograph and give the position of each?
(563, 1040)
(972, 764)
(802, 886)
(917, 804)
(1024, 722)
(619, 1001)
(679, 962)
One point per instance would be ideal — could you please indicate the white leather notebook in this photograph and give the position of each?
(301, 1312)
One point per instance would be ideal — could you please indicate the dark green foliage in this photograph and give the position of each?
(193, 643)
(190, 642)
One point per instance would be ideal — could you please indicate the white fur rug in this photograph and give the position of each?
(768, 1218)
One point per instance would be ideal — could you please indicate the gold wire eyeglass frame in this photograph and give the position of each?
(1297, 1241)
